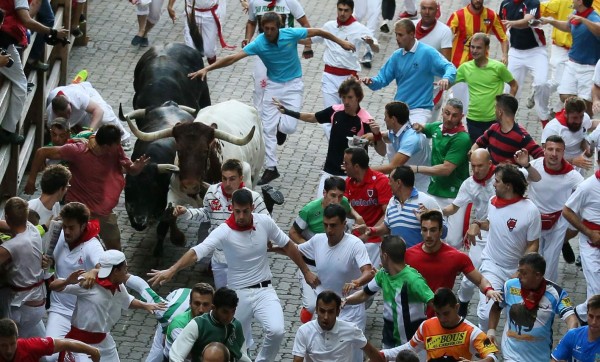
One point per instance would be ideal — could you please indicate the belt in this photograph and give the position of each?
(266, 283)
(339, 71)
(23, 289)
(35, 303)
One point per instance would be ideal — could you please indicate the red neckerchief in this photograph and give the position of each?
(453, 131)
(531, 298)
(597, 174)
(562, 117)
(271, 5)
(107, 284)
(422, 32)
(500, 203)
(231, 223)
(60, 93)
(350, 20)
(228, 196)
(92, 230)
(583, 14)
(565, 168)
(487, 177)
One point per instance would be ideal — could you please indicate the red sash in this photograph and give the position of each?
(213, 11)
(548, 220)
(82, 336)
(340, 71)
(14, 288)
(592, 226)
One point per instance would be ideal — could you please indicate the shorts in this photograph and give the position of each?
(577, 79)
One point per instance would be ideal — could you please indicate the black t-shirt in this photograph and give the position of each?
(343, 126)
(527, 38)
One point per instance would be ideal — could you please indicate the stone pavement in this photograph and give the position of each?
(110, 60)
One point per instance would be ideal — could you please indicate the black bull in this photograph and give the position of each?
(161, 84)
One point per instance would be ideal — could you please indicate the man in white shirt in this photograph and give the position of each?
(559, 180)
(329, 338)
(21, 257)
(244, 238)
(98, 309)
(343, 264)
(514, 226)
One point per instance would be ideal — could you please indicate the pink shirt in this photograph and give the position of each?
(97, 180)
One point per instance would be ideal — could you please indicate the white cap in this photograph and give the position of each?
(108, 260)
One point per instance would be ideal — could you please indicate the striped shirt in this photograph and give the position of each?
(502, 146)
(400, 217)
(464, 24)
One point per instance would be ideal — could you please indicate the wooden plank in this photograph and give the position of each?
(4, 97)
(33, 78)
(4, 159)
(53, 79)
(25, 152)
(27, 50)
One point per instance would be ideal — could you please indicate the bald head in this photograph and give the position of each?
(215, 352)
(480, 154)
(428, 10)
(481, 162)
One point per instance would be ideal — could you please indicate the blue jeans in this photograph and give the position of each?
(45, 16)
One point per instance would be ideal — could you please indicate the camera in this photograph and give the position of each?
(10, 60)
(53, 39)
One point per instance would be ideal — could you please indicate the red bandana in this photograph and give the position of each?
(350, 20)
(92, 230)
(531, 298)
(562, 117)
(597, 174)
(487, 177)
(271, 5)
(107, 284)
(60, 93)
(500, 203)
(453, 131)
(583, 14)
(228, 195)
(565, 169)
(231, 223)
(421, 32)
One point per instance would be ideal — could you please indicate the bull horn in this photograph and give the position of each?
(138, 113)
(190, 110)
(150, 136)
(166, 168)
(239, 141)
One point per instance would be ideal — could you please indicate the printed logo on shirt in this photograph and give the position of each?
(80, 261)
(370, 192)
(489, 347)
(445, 340)
(566, 301)
(511, 223)
(487, 21)
(515, 291)
(215, 205)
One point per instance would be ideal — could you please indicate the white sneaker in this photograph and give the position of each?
(126, 144)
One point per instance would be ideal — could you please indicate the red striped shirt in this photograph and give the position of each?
(502, 146)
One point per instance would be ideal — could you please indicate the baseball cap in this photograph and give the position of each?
(60, 121)
(108, 260)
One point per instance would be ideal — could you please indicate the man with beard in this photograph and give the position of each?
(572, 125)
(532, 303)
(448, 335)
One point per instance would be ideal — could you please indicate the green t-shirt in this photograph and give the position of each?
(452, 148)
(405, 296)
(310, 218)
(484, 85)
(231, 335)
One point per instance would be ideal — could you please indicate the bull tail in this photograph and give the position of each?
(195, 33)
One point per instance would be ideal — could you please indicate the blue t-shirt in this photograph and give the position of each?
(575, 347)
(280, 58)
(586, 46)
(528, 334)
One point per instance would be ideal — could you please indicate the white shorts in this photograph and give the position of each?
(577, 79)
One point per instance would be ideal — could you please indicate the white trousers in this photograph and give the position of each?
(355, 314)
(108, 351)
(454, 223)
(290, 95)
(551, 242)
(57, 326)
(309, 295)
(18, 91)
(590, 262)
(577, 79)
(29, 320)
(374, 251)
(559, 57)
(264, 305)
(467, 289)
(535, 61)
(497, 276)
(156, 351)
(152, 10)
(208, 28)
(368, 13)
(219, 273)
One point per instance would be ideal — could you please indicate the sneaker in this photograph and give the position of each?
(406, 15)
(367, 58)
(14, 139)
(77, 33)
(463, 309)
(144, 42)
(568, 254)
(80, 77)
(578, 261)
(531, 101)
(367, 65)
(268, 176)
(384, 28)
(275, 195)
(281, 137)
(126, 144)
(136, 40)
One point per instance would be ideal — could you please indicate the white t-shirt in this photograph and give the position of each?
(334, 55)
(97, 309)
(245, 251)
(572, 139)
(585, 201)
(282, 7)
(511, 229)
(439, 38)
(84, 256)
(552, 191)
(597, 74)
(79, 100)
(338, 264)
(25, 268)
(338, 344)
(45, 214)
(472, 192)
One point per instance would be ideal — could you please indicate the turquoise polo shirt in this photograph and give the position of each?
(280, 58)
